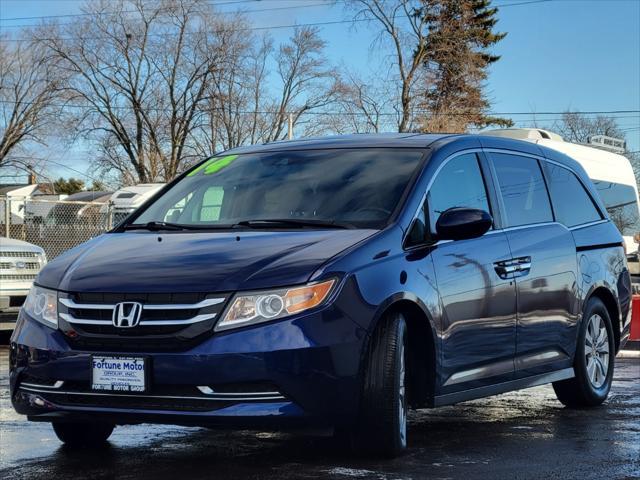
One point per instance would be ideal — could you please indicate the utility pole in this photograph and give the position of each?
(290, 134)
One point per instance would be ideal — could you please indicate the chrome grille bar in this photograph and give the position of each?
(239, 398)
(208, 302)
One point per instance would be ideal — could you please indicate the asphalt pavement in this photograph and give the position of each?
(520, 435)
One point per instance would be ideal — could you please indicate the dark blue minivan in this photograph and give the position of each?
(331, 282)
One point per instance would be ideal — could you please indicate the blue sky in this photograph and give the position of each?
(559, 54)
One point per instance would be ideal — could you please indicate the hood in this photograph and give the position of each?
(146, 262)
(10, 244)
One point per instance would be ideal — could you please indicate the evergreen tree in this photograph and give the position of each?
(70, 186)
(461, 33)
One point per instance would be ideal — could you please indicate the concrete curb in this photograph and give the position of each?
(628, 354)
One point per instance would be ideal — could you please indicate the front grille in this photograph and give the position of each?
(166, 322)
(27, 277)
(18, 254)
(27, 266)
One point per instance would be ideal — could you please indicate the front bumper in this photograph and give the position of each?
(312, 360)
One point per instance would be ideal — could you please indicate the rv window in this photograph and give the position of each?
(126, 195)
(622, 205)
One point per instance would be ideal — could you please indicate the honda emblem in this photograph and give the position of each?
(127, 314)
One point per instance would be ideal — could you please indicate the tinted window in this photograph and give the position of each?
(361, 187)
(622, 205)
(523, 190)
(459, 184)
(571, 202)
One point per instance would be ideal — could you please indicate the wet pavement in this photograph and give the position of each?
(526, 434)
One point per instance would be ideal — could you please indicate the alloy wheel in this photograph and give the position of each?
(596, 351)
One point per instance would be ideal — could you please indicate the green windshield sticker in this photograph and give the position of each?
(201, 167)
(213, 165)
(219, 164)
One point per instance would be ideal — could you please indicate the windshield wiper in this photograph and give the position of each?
(292, 222)
(155, 226)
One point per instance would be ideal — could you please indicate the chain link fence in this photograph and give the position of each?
(54, 225)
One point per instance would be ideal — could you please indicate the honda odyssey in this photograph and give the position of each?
(331, 283)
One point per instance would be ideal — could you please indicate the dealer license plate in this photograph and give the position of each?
(122, 374)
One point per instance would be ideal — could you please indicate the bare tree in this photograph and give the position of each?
(407, 33)
(29, 88)
(362, 106)
(142, 68)
(305, 81)
(577, 128)
(236, 93)
(251, 100)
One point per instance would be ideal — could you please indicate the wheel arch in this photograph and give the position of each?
(421, 346)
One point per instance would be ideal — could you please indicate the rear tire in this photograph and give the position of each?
(83, 434)
(382, 426)
(594, 360)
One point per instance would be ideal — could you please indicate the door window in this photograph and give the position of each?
(522, 189)
(571, 202)
(459, 184)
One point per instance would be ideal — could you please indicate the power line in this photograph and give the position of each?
(269, 112)
(48, 160)
(271, 27)
(234, 12)
(233, 2)
(73, 15)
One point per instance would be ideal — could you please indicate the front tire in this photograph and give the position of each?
(594, 360)
(382, 427)
(83, 434)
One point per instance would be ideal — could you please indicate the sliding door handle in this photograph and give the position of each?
(515, 267)
(505, 269)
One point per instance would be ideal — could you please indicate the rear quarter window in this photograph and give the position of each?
(572, 204)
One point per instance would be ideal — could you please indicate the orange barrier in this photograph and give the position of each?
(635, 318)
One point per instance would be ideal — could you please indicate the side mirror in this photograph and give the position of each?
(462, 223)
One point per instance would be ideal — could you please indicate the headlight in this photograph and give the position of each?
(256, 307)
(42, 305)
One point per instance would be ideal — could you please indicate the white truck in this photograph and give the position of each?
(20, 263)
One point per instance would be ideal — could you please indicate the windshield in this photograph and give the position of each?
(622, 205)
(360, 188)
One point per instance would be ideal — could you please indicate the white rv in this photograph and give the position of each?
(611, 173)
(128, 199)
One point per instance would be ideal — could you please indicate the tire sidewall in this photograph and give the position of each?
(595, 395)
(401, 351)
(379, 430)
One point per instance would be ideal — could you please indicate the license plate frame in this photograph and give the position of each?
(123, 379)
